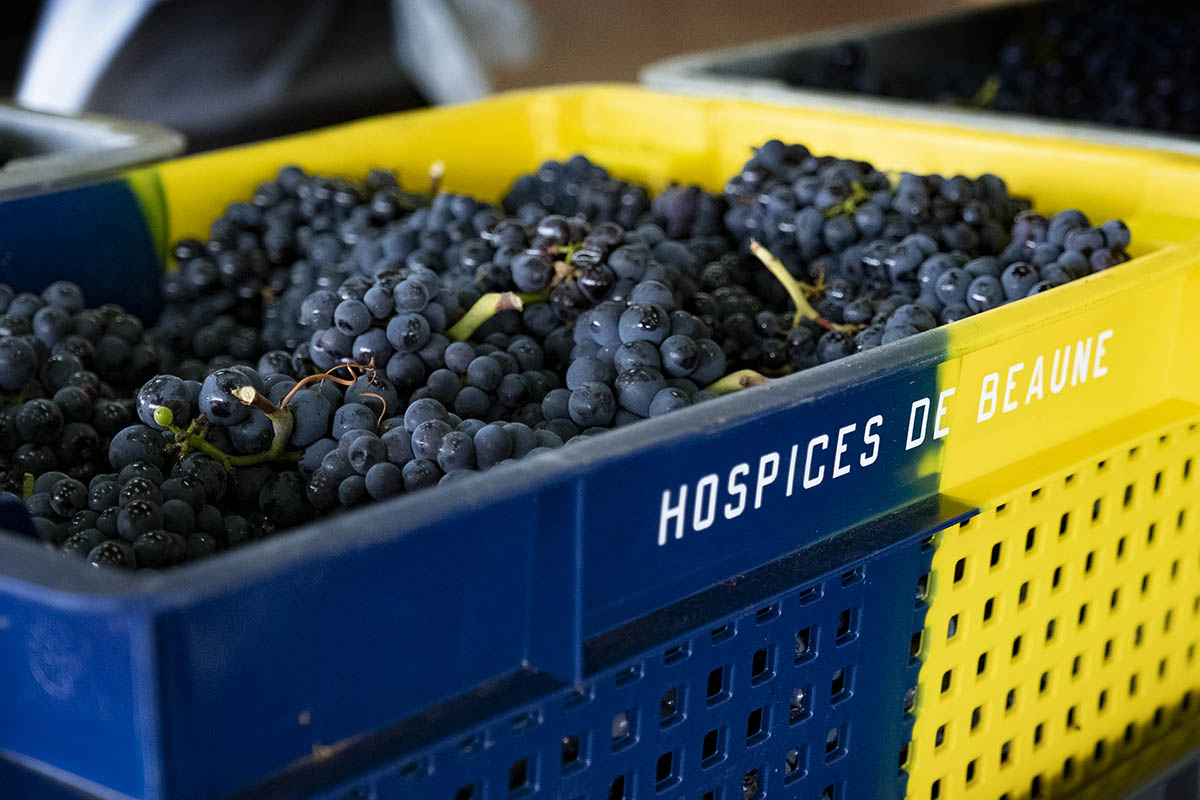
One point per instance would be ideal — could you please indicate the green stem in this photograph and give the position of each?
(27, 486)
(796, 290)
(734, 381)
(193, 437)
(484, 309)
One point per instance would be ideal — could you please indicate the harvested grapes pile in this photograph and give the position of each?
(336, 343)
(1123, 64)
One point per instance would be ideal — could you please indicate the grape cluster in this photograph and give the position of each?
(66, 373)
(1108, 62)
(334, 343)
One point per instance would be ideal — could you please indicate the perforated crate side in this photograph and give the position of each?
(802, 692)
(1065, 621)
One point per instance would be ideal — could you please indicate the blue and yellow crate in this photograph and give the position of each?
(961, 566)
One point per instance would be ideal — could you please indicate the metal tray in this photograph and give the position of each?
(894, 49)
(40, 152)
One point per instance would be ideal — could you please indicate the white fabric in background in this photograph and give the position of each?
(75, 41)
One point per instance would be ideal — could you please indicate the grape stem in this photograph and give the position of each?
(484, 309)
(26, 486)
(796, 290)
(192, 438)
(734, 381)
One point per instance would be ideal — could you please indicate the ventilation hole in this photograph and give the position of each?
(960, 568)
(1023, 593)
(935, 789)
(939, 736)
(754, 726)
(1133, 451)
(988, 607)
(1150, 534)
(1138, 634)
(806, 644)
(1016, 647)
(952, 627)
(1098, 753)
(1146, 583)
(1101, 466)
(976, 717)
(981, 665)
(1114, 598)
(413, 770)
(1035, 494)
(1120, 548)
(855, 575)
(810, 595)
(832, 792)
(1035, 787)
(847, 625)
(1082, 614)
(839, 685)
(518, 775)
(760, 665)
(833, 743)
(466, 793)
(1063, 522)
(1010, 699)
(579, 696)
(670, 705)
(1158, 716)
(1096, 509)
(910, 699)
(926, 545)
(1187, 469)
(1108, 647)
(664, 772)
(1130, 731)
(622, 728)
(1162, 669)
(752, 785)
(616, 789)
(1050, 630)
(470, 745)
(1075, 665)
(799, 706)
(946, 676)
(721, 634)
(1181, 519)
(1133, 684)
(1071, 718)
(1038, 732)
(794, 763)
(766, 614)
(1043, 682)
(903, 760)
(1030, 539)
(712, 748)
(527, 720)
(1186, 702)
(1057, 577)
(971, 770)
(1005, 752)
(1102, 701)
(717, 688)
(1174, 569)
(996, 550)
(571, 751)
(1128, 499)
(1069, 479)
(1087, 562)
(709, 795)
(1157, 481)
(677, 653)
(914, 645)
(1167, 621)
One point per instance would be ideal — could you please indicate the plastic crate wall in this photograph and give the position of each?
(795, 695)
(1065, 619)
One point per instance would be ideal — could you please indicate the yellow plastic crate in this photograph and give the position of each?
(1064, 618)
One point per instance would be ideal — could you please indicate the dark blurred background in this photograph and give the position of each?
(228, 71)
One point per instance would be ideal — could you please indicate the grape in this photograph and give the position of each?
(218, 401)
(164, 391)
(112, 554)
(592, 404)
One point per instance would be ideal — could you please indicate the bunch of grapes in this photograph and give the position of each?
(334, 344)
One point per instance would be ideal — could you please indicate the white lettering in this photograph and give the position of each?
(1083, 359)
(987, 396)
(791, 482)
(838, 469)
(1098, 369)
(705, 511)
(871, 439)
(671, 512)
(1056, 382)
(738, 490)
(809, 480)
(771, 459)
(1036, 380)
(1009, 385)
(914, 439)
(938, 430)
